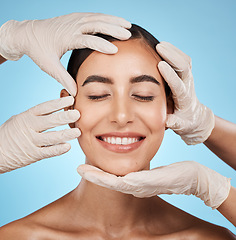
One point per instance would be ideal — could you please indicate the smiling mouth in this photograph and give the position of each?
(120, 140)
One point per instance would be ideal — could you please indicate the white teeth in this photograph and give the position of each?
(120, 141)
(124, 141)
(113, 140)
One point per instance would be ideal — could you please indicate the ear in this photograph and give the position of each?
(64, 93)
(170, 105)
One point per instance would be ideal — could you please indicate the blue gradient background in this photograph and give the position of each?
(203, 29)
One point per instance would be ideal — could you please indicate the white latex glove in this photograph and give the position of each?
(22, 140)
(45, 41)
(186, 177)
(192, 120)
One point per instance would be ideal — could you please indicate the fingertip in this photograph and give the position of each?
(66, 147)
(72, 91)
(74, 114)
(69, 99)
(78, 132)
(111, 49)
(73, 133)
(124, 23)
(158, 46)
(162, 65)
(128, 24)
(70, 85)
(126, 34)
(80, 169)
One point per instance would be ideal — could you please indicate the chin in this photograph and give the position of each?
(122, 166)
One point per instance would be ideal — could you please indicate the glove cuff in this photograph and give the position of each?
(8, 37)
(213, 188)
(222, 194)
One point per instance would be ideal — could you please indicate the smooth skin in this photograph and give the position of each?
(94, 212)
(225, 150)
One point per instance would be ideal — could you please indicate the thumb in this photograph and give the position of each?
(99, 177)
(56, 70)
(82, 169)
(174, 122)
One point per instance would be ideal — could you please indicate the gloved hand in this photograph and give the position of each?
(186, 177)
(45, 41)
(22, 140)
(192, 120)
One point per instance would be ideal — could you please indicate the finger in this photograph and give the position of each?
(107, 29)
(52, 138)
(93, 173)
(55, 69)
(86, 167)
(99, 177)
(56, 119)
(109, 181)
(52, 106)
(181, 62)
(102, 179)
(108, 19)
(175, 83)
(93, 42)
(52, 151)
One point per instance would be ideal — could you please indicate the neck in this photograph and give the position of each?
(109, 210)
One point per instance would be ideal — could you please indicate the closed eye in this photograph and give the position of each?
(98, 97)
(143, 98)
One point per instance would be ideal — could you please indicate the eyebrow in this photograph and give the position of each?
(138, 79)
(96, 78)
(144, 78)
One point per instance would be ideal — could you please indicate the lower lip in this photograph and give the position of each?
(118, 148)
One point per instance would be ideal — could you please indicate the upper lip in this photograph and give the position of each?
(122, 135)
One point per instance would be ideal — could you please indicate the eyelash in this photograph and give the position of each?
(141, 98)
(144, 98)
(98, 97)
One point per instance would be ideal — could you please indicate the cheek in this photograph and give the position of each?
(91, 119)
(154, 116)
(154, 119)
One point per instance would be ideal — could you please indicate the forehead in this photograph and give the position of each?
(134, 57)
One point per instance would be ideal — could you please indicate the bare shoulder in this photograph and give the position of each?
(210, 231)
(23, 229)
(41, 224)
(178, 224)
(18, 230)
(30, 227)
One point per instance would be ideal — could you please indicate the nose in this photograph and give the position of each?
(122, 112)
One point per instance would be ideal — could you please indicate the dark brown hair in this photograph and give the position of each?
(78, 56)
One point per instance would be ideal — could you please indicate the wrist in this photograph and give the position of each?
(11, 41)
(212, 188)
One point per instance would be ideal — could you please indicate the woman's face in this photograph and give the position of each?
(123, 108)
